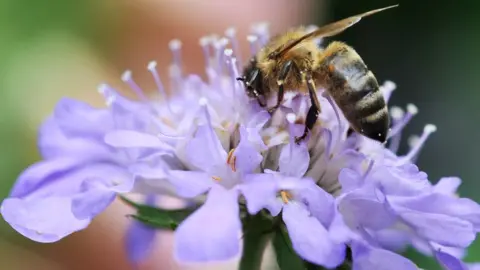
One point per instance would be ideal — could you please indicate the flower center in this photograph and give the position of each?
(286, 196)
(231, 160)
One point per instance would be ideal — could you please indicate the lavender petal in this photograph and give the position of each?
(310, 239)
(43, 220)
(368, 258)
(212, 232)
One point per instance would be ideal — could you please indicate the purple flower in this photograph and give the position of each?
(307, 210)
(366, 257)
(208, 144)
(78, 178)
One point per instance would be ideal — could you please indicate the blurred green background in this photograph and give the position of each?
(55, 48)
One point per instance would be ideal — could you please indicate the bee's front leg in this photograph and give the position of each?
(314, 110)
(281, 80)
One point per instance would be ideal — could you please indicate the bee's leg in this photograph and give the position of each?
(314, 110)
(281, 79)
(259, 98)
(252, 76)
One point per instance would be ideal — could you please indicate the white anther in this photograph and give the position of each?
(127, 75)
(430, 128)
(152, 65)
(203, 101)
(174, 44)
(412, 109)
(397, 112)
(291, 117)
(228, 52)
(230, 32)
(252, 38)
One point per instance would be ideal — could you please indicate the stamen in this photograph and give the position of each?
(262, 31)
(108, 93)
(216, 178)
(387, 89)
(175, 46)
(232, 67)
(368, 170)
(127, 78)
(398, 127)
(286, 196)
(397, 114)
(337, 115)
(205, 44)
(253, 42)
(231, 34)
(219, 47)
(175, 69)
(415, 150)
(291, 118)
(152, 67)
(231, 160)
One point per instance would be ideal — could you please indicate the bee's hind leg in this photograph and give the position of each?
(281, 80)
(314, 110)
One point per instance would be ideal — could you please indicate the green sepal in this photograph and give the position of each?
(157, 217)
(257, 230)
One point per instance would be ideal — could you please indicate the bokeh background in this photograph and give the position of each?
(55, 48)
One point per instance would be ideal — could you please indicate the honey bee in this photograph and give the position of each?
(294, 62)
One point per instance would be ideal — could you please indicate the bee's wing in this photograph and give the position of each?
(328, 30)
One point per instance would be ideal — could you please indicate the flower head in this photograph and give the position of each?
(209, 145)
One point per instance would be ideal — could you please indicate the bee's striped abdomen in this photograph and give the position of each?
(356, 92)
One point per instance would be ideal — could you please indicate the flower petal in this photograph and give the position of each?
(132, 139)
(310, 239)
(349, 179)
(294, 160)
(449, 262)
(260, 191)
(44, 220)
(366, 208)
(320, 203)
(76, 118)
(93, 199)
(190, 183)
(140, 238)
(247, 157)
(98, 190)
(369, 258)
(205, 149)
(212, 232)
(438, 203)
(37, 174)
(445, 230)
(447, 185)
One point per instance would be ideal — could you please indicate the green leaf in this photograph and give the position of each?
(257, 230)
(157, 217)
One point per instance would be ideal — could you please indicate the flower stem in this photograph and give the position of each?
(256, 234)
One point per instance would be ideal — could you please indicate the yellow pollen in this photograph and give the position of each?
(231, 159)
(167, 121)
(286, 196)
(216, 178)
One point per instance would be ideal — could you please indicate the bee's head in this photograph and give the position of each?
(252, 79)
